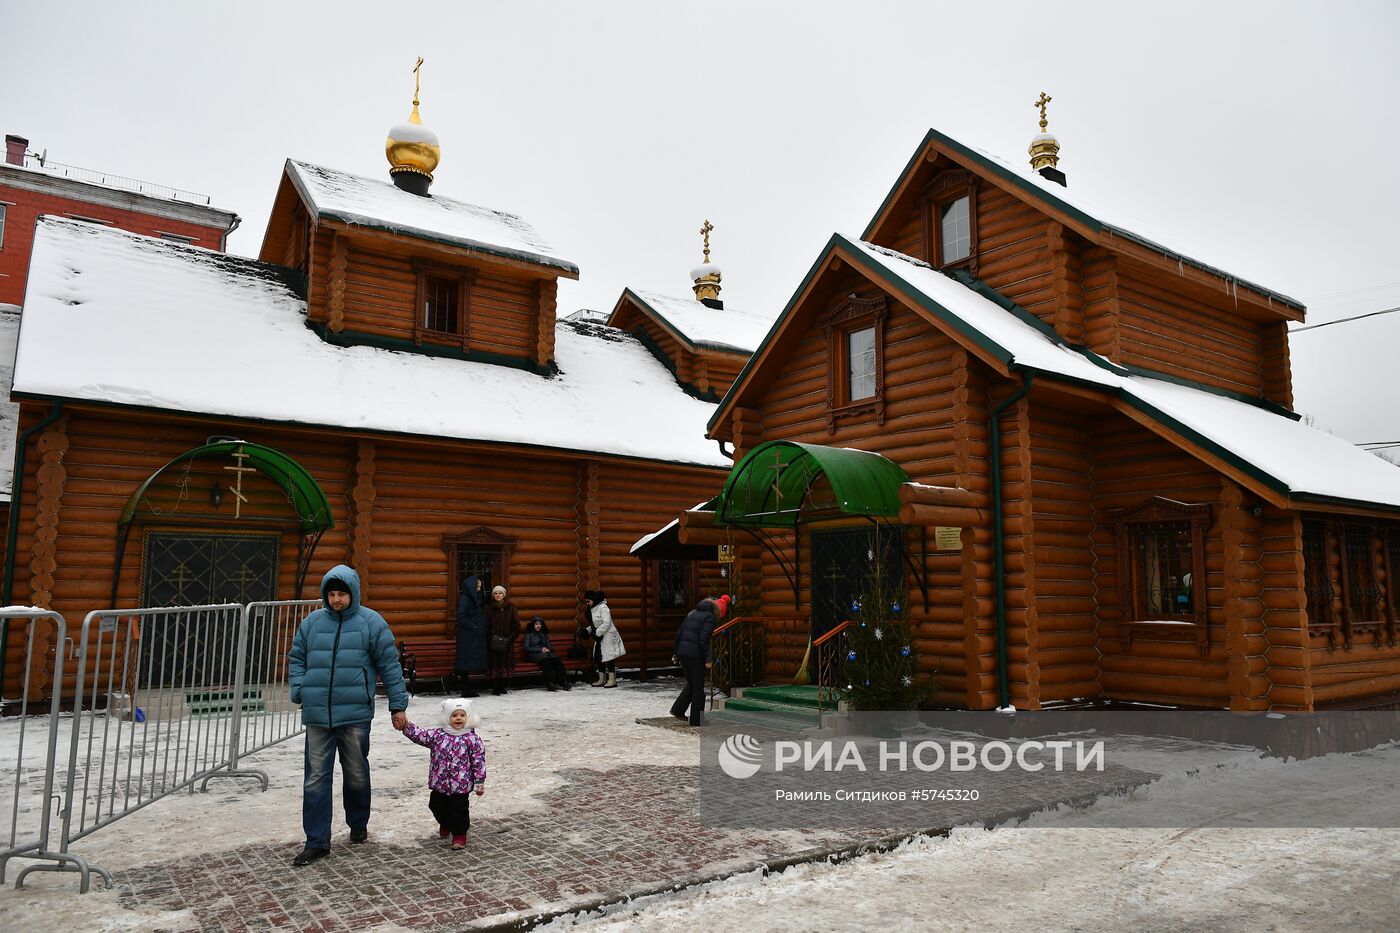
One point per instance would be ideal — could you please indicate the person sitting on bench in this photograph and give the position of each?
(541, 651)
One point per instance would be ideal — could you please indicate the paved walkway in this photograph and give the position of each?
(605, 835)
(548, 838)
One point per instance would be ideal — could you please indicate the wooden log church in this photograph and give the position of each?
(1081, 443)
(387, 386)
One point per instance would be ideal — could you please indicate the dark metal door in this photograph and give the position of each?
(844, 568)
(201, 569)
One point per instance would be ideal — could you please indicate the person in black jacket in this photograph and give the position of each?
(472, 634)
(693, 652)
(541, 651)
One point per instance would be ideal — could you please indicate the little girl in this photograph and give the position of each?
(456, 767)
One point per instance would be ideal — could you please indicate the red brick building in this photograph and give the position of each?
(31, 186)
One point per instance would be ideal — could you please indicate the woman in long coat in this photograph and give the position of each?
(473, 635)
(504, 623)
(608, 647)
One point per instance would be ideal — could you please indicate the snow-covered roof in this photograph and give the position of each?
(1095, 215)
(9, 411)
(382, 205)
(703, 326)
(1292, 457)
(115, 317)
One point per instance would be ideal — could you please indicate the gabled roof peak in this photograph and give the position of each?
(1077, 210)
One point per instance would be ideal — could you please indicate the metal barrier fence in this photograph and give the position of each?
(28, 811)
(266, 714)
(163, 700)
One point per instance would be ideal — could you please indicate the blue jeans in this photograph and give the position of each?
(321, 746)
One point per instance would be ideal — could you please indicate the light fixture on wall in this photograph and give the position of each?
(216, 495)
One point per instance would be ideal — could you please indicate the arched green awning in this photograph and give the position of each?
(303, 492)
(770, 487)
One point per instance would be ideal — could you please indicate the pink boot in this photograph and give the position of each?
(443, 831)
(459, 842)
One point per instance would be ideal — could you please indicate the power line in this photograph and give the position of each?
(1343, 320)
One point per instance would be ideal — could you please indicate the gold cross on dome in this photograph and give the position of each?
(705, 230)
(1044, 99)
(416, 69)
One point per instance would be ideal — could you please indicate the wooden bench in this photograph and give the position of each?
(434, 660)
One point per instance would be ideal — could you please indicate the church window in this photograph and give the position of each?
(442, 306)
(950, 233)
(1162, 566)
(481, 553)
(860, 364)
(854, 331)
(954, 231)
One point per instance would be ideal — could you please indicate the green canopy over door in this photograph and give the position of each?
(313, 509)
(778, 480)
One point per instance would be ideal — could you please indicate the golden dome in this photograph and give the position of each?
(412, 147)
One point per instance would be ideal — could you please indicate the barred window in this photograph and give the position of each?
(1317, 579)
(1363, 588)
(1163, 567)
(440, 305)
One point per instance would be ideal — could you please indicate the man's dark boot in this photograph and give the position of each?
(359, 835)
(307, 856)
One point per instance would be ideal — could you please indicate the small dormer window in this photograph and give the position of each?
(440, 305)
(950, 217)
(443, 306)
(955, 230)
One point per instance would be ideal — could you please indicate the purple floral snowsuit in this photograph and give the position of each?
(456, 766)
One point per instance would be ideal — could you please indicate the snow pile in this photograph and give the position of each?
(1298, 458)
(9, 411)
(382, 205)
(115, 317)
(702, 326)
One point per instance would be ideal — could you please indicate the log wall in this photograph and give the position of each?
(935, 428)
(1163, 665)
(368, 291)
(1063, 470)
(1167, 332)
(393, 500)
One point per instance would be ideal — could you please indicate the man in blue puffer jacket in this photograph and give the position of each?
(338, 655)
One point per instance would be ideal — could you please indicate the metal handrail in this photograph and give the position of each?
(832, 633)
(831, 651)
(121, 182)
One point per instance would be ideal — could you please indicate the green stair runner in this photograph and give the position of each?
(784, 708)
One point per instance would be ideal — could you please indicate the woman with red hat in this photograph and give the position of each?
(693, 652)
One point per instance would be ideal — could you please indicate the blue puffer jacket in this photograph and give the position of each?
(337, 657)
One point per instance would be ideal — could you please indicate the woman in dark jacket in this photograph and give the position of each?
(471, 635)
(504, 622)
(541, 651)
(693, 652)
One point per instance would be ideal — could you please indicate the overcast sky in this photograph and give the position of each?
(1259, 137)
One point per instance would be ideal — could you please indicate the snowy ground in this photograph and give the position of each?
(529, 735)
(1063, 871)
(1071, 871)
